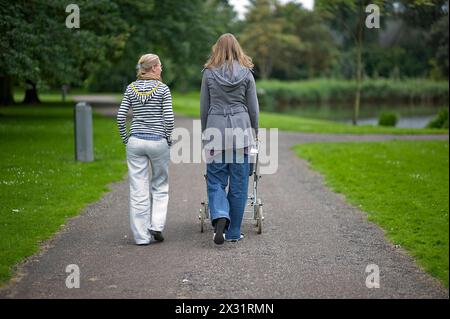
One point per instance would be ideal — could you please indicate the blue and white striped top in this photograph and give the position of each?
(151, 105)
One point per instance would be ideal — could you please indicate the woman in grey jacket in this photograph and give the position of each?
(229, 114)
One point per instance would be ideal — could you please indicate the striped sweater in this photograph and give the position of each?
(151, 105)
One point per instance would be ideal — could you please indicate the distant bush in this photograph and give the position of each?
(441, 120)
(388, 119)
(280, 95)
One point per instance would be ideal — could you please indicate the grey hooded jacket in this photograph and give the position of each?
(228, 100)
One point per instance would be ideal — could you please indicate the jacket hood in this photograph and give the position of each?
(143, 90)
(230, 77)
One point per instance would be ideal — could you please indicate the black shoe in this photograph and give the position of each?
(143, 244)
(220, 227)
(157, 235)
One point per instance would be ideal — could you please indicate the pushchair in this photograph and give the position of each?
(254, 207)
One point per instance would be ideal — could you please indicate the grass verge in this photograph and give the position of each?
(402, 185)
(41, 185)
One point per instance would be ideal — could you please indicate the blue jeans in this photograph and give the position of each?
(232, 205)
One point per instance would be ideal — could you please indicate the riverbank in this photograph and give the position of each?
(189, 104)
(280, 96)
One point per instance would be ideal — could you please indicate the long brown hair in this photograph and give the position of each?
(227, 50)
(145, 65)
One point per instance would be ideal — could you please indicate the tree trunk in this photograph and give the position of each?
(264, 72)
(358, 86)
(359, 65)
(6, 95)
(31, 95)
(265, 69)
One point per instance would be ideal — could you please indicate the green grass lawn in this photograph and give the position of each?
(402, 185)
(41, 185)
(189, 105)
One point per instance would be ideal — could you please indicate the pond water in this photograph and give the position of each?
(410, 116)
(403, 122)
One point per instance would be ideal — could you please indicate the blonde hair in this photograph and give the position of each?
(145, 65)
(227, 49)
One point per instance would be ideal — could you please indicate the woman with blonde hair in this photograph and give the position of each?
(229, 106)
(147, 145)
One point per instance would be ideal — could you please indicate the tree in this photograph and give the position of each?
(351, 16)
(420, 13)
(186, 37)
(318, 53)
(438, 41)
(264, 39)
(180, 32)
(38, 48)
(430, 18)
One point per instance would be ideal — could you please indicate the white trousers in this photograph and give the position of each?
(148, 213)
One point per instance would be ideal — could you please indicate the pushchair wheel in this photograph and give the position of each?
(203, 216)
(259, 216)
(252, 166)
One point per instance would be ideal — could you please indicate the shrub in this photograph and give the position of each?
(441, 120)
(388, 119)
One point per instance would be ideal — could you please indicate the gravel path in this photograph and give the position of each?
(314, 245)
